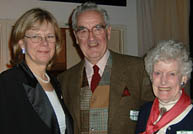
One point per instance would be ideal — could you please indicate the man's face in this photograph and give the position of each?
(92, 35)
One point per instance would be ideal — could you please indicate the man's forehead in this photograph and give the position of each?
(90, 16)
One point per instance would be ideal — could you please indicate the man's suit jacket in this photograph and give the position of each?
(24, 106)
(127, 73)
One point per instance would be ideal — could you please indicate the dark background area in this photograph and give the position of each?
(191, 43)
(102, 2)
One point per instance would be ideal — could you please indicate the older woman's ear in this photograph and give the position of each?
(184, 80)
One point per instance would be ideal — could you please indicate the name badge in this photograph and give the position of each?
(134, 115)
(184, 132)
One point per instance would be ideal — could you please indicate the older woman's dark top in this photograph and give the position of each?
(184, 125)
(24, 106)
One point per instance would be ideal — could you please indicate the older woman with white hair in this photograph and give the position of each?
(169, 67)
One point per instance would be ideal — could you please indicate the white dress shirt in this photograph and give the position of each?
(101, 64)
(58, 110)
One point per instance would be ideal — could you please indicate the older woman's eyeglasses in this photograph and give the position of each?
(83, 32)
(38, 39)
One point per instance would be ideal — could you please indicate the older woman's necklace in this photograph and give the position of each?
(42, 80)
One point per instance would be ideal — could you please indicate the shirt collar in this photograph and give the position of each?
(101, 64)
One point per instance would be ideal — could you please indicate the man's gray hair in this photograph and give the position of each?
(85, 7)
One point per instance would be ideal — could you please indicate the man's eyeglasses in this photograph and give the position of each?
(38, 39)
(83, 32)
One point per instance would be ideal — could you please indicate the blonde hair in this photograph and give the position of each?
(26, 22)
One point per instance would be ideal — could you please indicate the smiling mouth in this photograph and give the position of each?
(164, 88)
(44, 52)
(93, 44)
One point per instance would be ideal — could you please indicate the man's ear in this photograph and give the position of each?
(77, 42)
(108, 32)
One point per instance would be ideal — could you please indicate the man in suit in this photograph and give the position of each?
(105, 90)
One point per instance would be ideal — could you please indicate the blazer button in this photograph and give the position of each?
(169, 128)
(92, 131)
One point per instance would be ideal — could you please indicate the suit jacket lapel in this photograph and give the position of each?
(40, 104)
(39, 100)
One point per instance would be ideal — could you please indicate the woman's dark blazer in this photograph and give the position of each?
(24, 106)
(184, 125)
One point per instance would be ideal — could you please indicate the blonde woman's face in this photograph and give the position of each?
(42, 51)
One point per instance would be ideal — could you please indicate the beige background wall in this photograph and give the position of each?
(124, 16)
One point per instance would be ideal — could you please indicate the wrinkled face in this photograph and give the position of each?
(92, 35)
(39, 44)
(167, 80)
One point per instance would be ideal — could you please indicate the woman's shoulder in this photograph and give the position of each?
(13, 73)
(190, 111)
(9, 72)
(147, 105)
(145, 109)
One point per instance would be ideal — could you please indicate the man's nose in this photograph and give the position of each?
(91, 35)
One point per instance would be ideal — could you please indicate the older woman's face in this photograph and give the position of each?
(39, 43)
(166, 80)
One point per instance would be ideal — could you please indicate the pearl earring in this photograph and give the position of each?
(23, 50)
